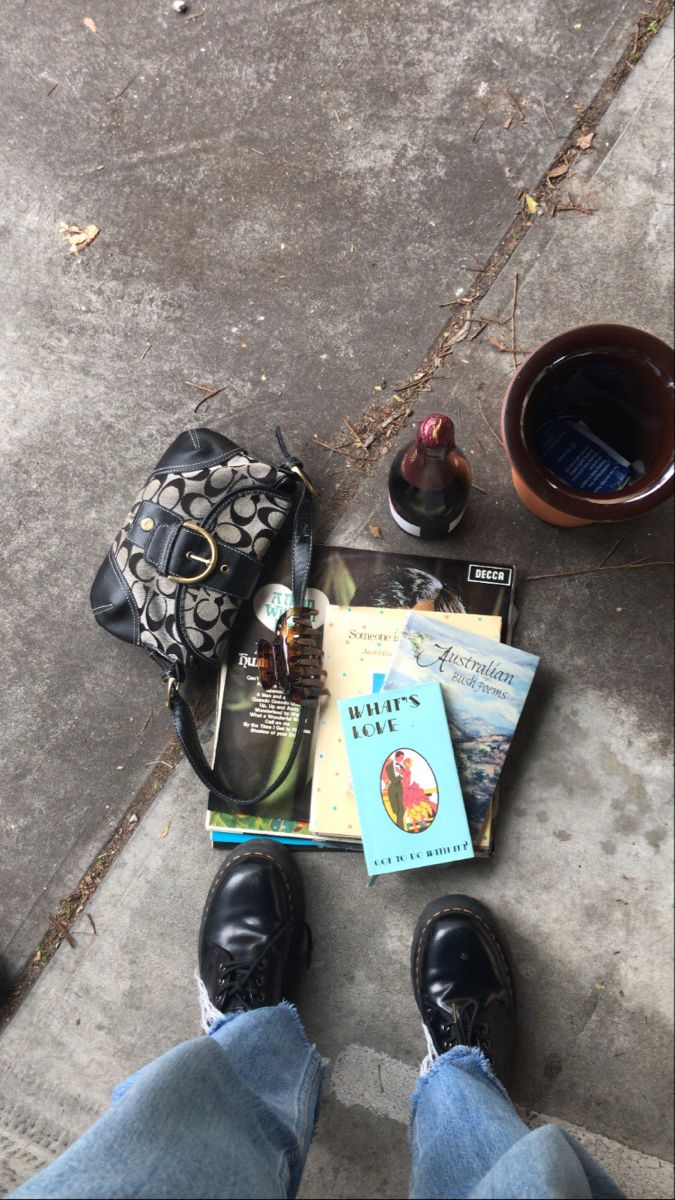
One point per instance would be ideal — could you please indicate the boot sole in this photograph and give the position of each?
(467, 906)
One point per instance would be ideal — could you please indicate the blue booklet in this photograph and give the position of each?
(577, 457)
(484, 684)
(405, 779)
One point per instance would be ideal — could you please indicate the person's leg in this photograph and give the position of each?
(466, 1138)
(231, 1114)
(227, 1115)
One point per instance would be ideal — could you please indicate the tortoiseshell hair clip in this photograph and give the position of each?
(293, 660)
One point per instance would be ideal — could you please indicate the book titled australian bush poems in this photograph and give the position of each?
(405, 779)
(484, 690)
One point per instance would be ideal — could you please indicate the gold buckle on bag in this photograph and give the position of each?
(209, 563)
(297, 470)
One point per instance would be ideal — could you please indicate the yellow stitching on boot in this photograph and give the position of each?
(255, 854)
(469, 911)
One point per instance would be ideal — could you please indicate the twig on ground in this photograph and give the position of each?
(338, 450)
(91, 922)
(352, 430)
(477, 333)
(62, 929)
(492, 431)
(477, 130)
(631, 566)
(513, 320)
(459, 336)
(610, 552)
(548, 119)
(517, 104)
(479, 489)
(147, 348)
(504, 349)
(124, 89)
(207, 389)
(394, 416)
(582, 208)
(424, 378)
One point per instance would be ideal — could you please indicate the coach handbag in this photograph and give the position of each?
(190, 551)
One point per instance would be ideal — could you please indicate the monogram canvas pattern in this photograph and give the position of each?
(174, 618)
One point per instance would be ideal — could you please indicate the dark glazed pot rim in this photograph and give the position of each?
(640, 496)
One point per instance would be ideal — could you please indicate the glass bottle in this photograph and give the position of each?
(430, 480)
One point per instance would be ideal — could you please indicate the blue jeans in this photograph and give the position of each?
(232, 1115)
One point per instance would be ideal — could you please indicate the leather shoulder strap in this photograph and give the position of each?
(183, 720)
(186, 731)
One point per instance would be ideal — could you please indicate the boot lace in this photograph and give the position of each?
(459, 1026)
(238, 986)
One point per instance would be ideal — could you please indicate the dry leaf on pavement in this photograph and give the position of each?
(559, 171)
(78, 238)
(497, 344)
(530, 203)
(375, 530)
(584, 142)
(90, 24)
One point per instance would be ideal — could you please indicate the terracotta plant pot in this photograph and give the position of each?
(619, 382)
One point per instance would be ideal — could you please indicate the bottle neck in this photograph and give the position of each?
(429, 467)
(437, 452)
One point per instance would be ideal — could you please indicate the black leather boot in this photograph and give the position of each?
(253, 941)
(463, 981)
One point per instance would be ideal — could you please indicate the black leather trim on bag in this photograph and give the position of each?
(112, 603)
(194, 450)
(190, 551)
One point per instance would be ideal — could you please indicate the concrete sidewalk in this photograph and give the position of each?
(286, 193)
(581, 878)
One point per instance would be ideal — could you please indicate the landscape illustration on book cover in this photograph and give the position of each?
(405, 779)
(484, 684)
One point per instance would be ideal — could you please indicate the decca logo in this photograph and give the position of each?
(497, 575)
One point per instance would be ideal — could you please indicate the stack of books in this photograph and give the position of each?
(389, 622)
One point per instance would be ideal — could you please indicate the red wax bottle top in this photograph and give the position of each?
(436, 430)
